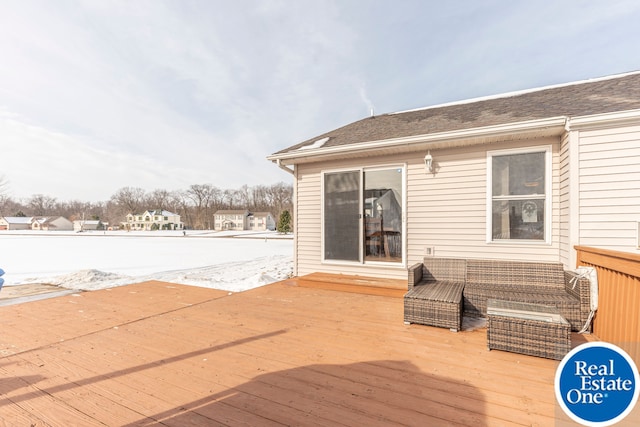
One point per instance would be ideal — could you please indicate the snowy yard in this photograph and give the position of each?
(233, 261)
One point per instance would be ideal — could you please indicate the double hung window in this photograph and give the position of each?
(519, 193)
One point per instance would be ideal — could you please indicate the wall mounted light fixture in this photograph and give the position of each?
(428, 162)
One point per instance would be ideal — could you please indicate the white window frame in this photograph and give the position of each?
(548, 169)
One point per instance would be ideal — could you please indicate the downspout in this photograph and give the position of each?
(295, 218)
(574, 193)
(283, 167)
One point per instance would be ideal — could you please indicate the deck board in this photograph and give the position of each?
(289, 353)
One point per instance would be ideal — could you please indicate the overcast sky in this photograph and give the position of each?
(98, 95)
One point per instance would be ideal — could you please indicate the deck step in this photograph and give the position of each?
(352, 283)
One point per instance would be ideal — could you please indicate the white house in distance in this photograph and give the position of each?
(15, 222)
(88, 225)
(153, 220)
(240, 220)
(521, 176)
(231, 219)
(51, 223)
(262, 221)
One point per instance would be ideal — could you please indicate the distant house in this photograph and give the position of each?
(51, 223)
(153, 220)
(231, 220)
(240, 220)
(15, 222)
(86, 225)
(261, 221)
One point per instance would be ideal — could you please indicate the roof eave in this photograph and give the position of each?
(519, 130)
(604, 120)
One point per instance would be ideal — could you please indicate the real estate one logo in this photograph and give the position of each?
(596, 384)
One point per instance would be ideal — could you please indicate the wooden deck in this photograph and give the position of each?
(291, 353)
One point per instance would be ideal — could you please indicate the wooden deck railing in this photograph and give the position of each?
(618, 317)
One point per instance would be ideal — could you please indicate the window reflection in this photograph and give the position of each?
(382, 207)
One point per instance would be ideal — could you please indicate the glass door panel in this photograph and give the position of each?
(342, 216)
(382, 212)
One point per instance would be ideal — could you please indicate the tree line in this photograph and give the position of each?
(196, 205)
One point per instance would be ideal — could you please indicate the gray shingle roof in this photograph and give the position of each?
(606, 95)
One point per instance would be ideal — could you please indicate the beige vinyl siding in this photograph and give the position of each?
(448, 212)
(308, 223)
(610, 188)
(445, 211)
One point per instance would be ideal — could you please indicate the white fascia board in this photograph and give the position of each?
(618, 118)
(557, 124)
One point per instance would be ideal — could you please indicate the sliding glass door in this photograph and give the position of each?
(363, 216)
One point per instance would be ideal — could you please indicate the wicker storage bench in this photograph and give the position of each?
(435, 293)
(532, 329)
(435, 304)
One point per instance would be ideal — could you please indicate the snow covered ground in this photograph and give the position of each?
(233, 261)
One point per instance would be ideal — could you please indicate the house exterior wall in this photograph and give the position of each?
(62, 224)
(235, 220)
(85, 225)
(52, 224)
(445, 211)
(15, 223)
(448, 211)
(150, 220)
(609, 190)
(261, 221)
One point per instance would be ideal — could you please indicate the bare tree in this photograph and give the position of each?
(280, 197)
(4, 199)
(201, 196)
(180, 204)
(159, 199)
(42, 205)
(244, 197)
(129, 199)
(196, 205)
(260, 198)
(228, 199)
(76, 210)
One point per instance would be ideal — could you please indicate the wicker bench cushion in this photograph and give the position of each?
(443, 290)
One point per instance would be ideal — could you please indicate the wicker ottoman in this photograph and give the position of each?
(435, 304)
(532, 329)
